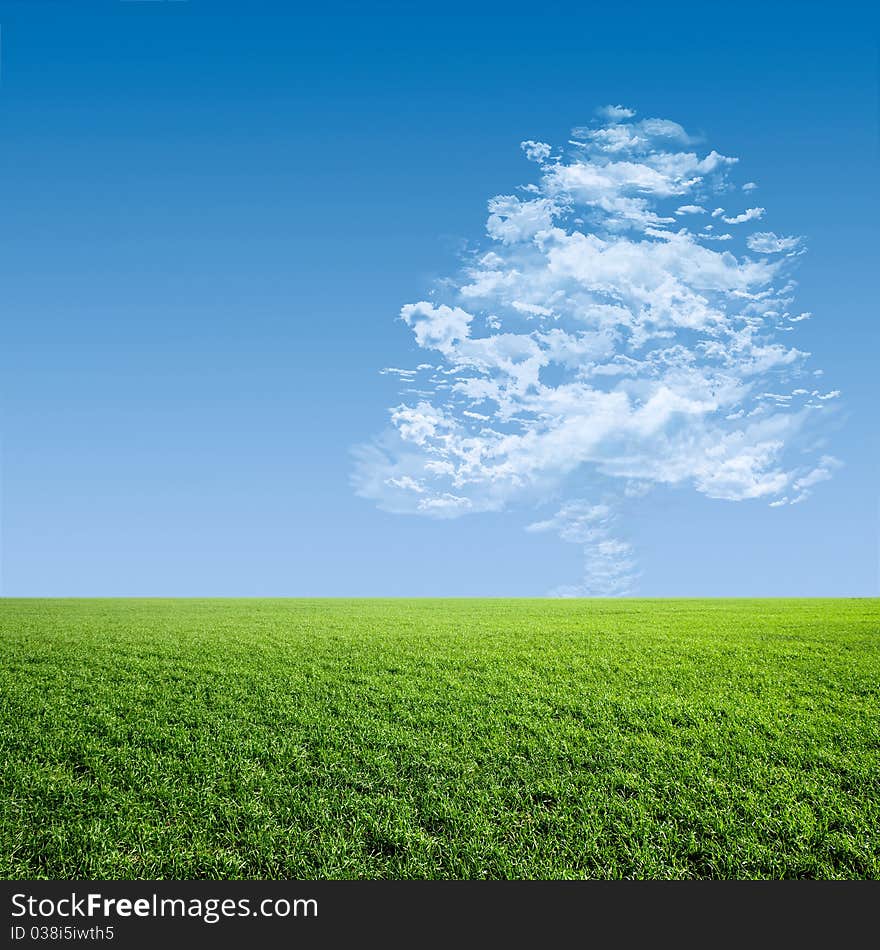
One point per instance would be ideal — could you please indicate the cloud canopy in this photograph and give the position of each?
(596, 344)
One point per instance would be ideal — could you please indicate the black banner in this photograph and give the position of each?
(173, 914)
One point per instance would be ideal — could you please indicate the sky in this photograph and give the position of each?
(231, 234)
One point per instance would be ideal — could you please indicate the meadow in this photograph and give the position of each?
(440, 739)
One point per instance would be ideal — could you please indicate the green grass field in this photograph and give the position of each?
(440, 739)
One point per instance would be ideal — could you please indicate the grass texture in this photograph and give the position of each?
(440, 739)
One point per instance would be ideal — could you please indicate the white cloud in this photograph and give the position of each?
(804, 483)
(615, 113)
(445, 504)
(738, 468)
(437, 327)
(577, 521)
(394, 371)
(609, 564)
(622, 137)
(749, 186)
(609, 571)
(766, 242)
(690, 209)
(407, 483)
(512, 220)
(535, 151)
(531, 309)
(596, 342)
(750, 214)
(418, 424)
(826, 468)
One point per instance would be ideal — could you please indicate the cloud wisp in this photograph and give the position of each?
(602, 341)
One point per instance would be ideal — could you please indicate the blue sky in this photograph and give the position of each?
(212, 217)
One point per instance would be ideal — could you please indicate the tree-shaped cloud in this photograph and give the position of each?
(606, 339)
